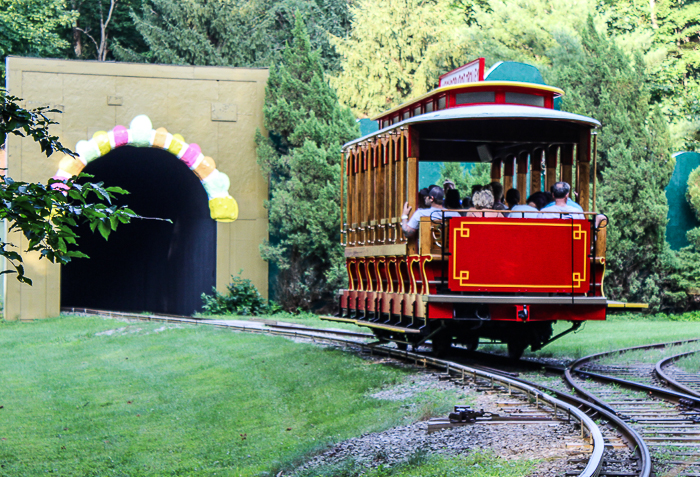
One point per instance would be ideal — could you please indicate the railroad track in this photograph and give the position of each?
(658, 401)
(612, 448)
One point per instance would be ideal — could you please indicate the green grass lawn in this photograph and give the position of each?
(79, 398)
(618, 331)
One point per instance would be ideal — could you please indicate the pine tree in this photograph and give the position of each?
(397, 49)
(634, 161)
(301, 157)
(233, 32)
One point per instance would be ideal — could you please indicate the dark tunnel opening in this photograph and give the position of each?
(147, 265)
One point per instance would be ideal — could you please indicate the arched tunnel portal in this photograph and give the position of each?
(147, 265)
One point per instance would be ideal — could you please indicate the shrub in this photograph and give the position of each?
(242, 298)
(693, 194)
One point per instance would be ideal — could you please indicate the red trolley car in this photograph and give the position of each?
(461, 279)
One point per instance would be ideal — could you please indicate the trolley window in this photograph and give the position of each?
(442, 102)
(476, 97)
(429, 107)
(417, 111)
(406, 114)
(523, 98)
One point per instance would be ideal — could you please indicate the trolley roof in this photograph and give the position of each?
(493, 123)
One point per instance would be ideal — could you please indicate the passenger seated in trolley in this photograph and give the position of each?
(516, 210)
(560, 191)
(434, 200)
(482, 200)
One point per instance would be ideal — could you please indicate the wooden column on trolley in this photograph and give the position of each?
(567, 162)
(381, 196)
(508, 169)
(495, 172)
(535, 171)
(584, 163)
(551, 163)
(522, 174)
(412, 180)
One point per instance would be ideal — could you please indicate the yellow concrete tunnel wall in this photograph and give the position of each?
(217, 108)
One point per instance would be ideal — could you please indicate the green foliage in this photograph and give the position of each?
(234, 32)
(302, 160)
(634, 160)
(33, 28)
(693, 193)
(48, 216)
(666, 32)
(243, 298)
(101, 26)
(464, 178)
(523, 30)
(396, 50)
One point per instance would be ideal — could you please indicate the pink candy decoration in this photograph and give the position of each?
(59, 185)
(121, 135)
(191, 154)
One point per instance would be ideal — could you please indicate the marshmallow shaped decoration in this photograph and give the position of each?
(141, 130)
(160, 138)
(223, 209)
(71, 165)
(217, 185)
(191, 155)
(222, 206)
(205, 167)
(102, 140)
(87, 150)
(121, 135)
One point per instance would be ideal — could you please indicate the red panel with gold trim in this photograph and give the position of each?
(519, 255)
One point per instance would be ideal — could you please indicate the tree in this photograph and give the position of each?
(523, 30)
(634, 160)
(465, 177)
(667, 33)
(301, 157)
(233, 32)
(33, 28)
(397, 49)
(100, 26)
(47, 215)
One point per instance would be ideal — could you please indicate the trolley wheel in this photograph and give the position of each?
(516, 349)
(472, 344)
(441, 344)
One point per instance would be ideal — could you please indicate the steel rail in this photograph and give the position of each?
(673, 383)
(595, 460)
(662, 393)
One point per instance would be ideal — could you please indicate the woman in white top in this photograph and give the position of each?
(482, 200)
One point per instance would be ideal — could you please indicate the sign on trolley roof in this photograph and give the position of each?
(472, 72)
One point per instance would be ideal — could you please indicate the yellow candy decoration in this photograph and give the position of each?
(223, 209)
(102, 140)
(71, 165)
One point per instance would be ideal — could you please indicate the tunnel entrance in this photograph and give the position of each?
(147, 265)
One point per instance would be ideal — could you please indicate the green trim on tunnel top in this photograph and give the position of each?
(681, 217)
